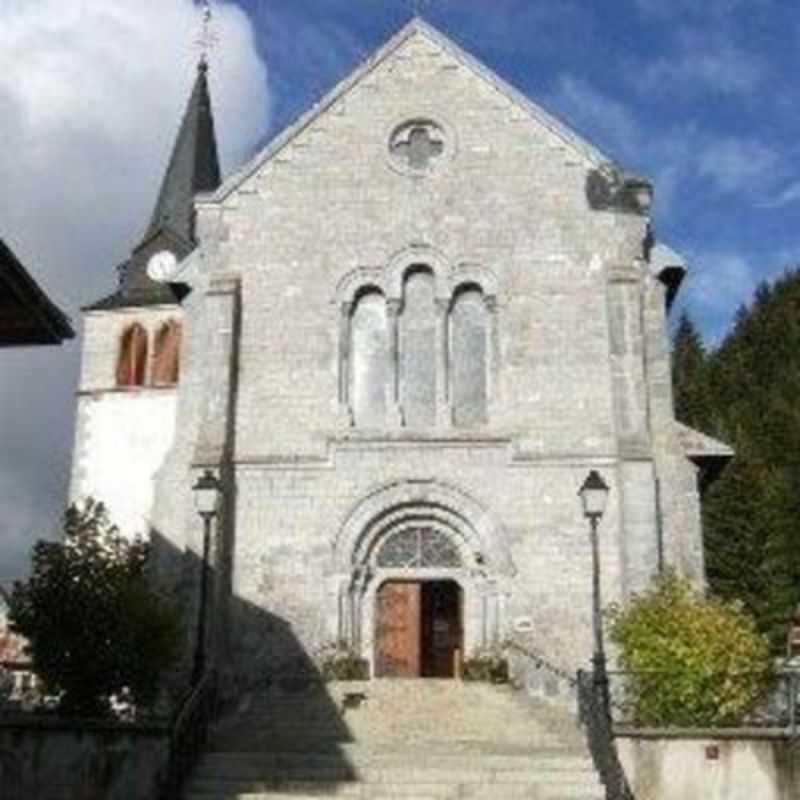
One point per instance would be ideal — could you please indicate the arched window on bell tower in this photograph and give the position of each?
(167, 353)
(132, 360)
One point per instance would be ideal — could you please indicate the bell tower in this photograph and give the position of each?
(131, 353)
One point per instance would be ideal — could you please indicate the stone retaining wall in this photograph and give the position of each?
(711, 765)
(53, 759)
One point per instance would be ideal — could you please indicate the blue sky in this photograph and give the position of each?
(699, 95)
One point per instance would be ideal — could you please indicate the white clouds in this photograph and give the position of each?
(697, 8)
(702, 61)
(788, 196)
(736, 164)
(610, 121)
(91, 94)
(720, 281)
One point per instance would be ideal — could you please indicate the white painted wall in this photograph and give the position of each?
(680, 769)
(122, 440)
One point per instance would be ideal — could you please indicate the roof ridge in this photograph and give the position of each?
(415, 26)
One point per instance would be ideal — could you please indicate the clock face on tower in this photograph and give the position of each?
(162, 266)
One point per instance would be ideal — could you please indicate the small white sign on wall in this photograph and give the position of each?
(523, 625)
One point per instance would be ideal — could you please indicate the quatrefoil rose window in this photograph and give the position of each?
(416, 146)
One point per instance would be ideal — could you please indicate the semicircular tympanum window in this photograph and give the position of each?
(418, 547)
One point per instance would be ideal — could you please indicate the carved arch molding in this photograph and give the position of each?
(422, 503)
(418, 343)
(420, 530)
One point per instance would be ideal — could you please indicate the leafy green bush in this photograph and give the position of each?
(95, 627)
(691, 660)
(487, 665)
(337, 662)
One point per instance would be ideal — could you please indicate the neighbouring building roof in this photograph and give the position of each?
(193, 168)
(669, 267)
(27, 315)
(709, 454)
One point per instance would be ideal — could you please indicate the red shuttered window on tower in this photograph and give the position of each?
(166, 357)
(132, 363)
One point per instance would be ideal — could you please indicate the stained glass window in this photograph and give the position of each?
(418, 547)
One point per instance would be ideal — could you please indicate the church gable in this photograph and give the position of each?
(421, 175)
(429, 64)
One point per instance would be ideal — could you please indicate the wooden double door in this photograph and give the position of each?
(419, 631)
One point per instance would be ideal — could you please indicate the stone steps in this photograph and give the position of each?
(395, 740)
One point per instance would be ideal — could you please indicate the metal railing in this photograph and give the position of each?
(593, 704)
(189, 733)
(595, 717)
(543, 663)
(747, 700)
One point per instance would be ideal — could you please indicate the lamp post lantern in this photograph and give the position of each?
(206, 499)
(594, 496)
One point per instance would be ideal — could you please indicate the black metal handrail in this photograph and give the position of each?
(189, 733)
(542, 662)
(774, 702)
(595, 715)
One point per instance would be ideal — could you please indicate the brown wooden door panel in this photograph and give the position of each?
(398, 641)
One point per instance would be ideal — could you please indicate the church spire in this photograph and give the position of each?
(193, 168)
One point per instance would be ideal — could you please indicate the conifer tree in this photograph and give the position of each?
(752, 401)
(690, 377)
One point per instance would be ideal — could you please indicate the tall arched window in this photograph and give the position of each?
(469, 337)
(132, 362)
(418, 349)
(369, 368)
(166, 355)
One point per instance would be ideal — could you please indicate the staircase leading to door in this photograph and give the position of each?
(393, 740)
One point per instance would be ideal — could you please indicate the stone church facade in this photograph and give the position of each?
(401, 337)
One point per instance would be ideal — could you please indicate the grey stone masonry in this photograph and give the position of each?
(427, 305)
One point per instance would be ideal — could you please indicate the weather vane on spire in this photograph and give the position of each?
(208, 38)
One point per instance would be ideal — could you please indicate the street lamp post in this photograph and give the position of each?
(594, 496)
(206, 498)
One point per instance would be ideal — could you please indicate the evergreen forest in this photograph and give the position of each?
(746, 392)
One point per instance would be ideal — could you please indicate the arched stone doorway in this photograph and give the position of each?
(422, 573)
(419, 621)
(419, 629)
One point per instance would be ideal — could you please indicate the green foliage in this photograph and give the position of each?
(690, 377)
(691, 660)
(488, 665)
(751, 383)
(337, 662)
(95, 627)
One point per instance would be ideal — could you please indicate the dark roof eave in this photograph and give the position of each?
(173, 294)
(50, 324)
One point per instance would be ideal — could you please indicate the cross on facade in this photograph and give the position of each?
(420, 148)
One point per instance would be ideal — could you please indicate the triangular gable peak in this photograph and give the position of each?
(588, 153)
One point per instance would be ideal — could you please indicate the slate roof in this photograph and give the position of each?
(27, 315)
(193, 168)
(669, 267)
(710, 455)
